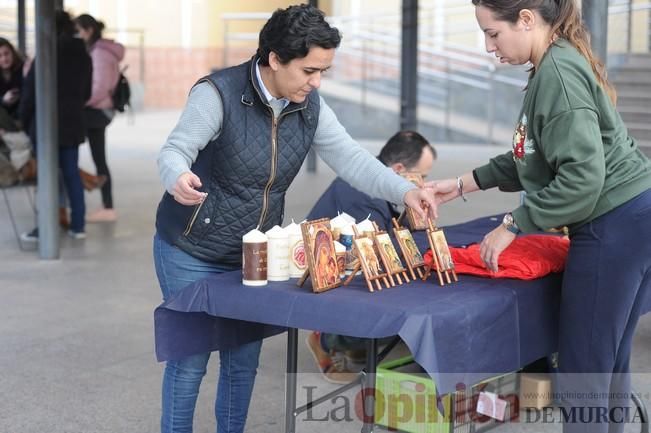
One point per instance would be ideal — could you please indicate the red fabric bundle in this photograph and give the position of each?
(527, 258)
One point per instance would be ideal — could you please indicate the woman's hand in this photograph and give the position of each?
(185, 189)
(446, 189)
(492, 246)
(10, 96)
(449, 189)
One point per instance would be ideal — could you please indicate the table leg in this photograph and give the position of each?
(369, 386)
(644, 416)
(290, 381)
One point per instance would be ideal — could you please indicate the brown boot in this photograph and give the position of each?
(91, 182)
(64, 222)
(28, 171)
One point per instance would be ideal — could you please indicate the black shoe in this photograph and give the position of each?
(31, 237)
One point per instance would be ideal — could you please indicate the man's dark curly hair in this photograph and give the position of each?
(291, 32)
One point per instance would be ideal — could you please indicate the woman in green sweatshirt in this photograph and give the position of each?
(573, 156)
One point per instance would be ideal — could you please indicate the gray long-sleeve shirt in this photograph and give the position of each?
(201, 122)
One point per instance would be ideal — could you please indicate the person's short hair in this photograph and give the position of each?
(405, 147)
(291, 32)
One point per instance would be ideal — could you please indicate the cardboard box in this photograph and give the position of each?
(406, 399)
(535, 390)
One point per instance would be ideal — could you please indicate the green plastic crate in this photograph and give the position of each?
(406, 399)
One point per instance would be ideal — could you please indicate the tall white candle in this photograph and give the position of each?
(349, 219)
(346, 237)
(365, 227)
(339, 221)
(254, 258)
(277, 254)
(297, 259)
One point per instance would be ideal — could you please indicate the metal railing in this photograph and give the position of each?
(626, 20)
(236, 37)
(373, 42)
(449, 55)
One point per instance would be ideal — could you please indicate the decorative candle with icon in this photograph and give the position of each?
(296, 250)
(254, 258)
(277, 254)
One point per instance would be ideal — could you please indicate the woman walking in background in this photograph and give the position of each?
(106, 56)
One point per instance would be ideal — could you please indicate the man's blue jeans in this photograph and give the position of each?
(175, 270)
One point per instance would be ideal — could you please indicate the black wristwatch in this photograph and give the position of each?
(509, 223)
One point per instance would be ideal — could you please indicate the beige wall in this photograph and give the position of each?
(178, 23)
(365, 7)
(183, 39)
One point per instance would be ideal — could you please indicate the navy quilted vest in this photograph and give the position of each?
(246, 170)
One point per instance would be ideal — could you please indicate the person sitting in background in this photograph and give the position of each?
(11, 77)
(106, 56)
(406, 151)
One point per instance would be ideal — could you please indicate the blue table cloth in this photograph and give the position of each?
(459, 333)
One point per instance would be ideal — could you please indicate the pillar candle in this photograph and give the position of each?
(346, 237)
(297, 259)
(347, 218)
(365, 227)
(254, 258)
(277, 254)
(336, 225)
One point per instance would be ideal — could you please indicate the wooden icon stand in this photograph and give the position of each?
(416, 222)
(441, 257)
(389, 256)
(410, 253)
(368, 262)
(320, 254)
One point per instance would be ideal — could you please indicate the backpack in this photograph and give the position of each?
(122, 93)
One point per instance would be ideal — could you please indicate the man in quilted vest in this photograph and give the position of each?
(241, 139)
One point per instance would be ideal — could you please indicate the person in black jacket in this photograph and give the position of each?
(74, 74)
